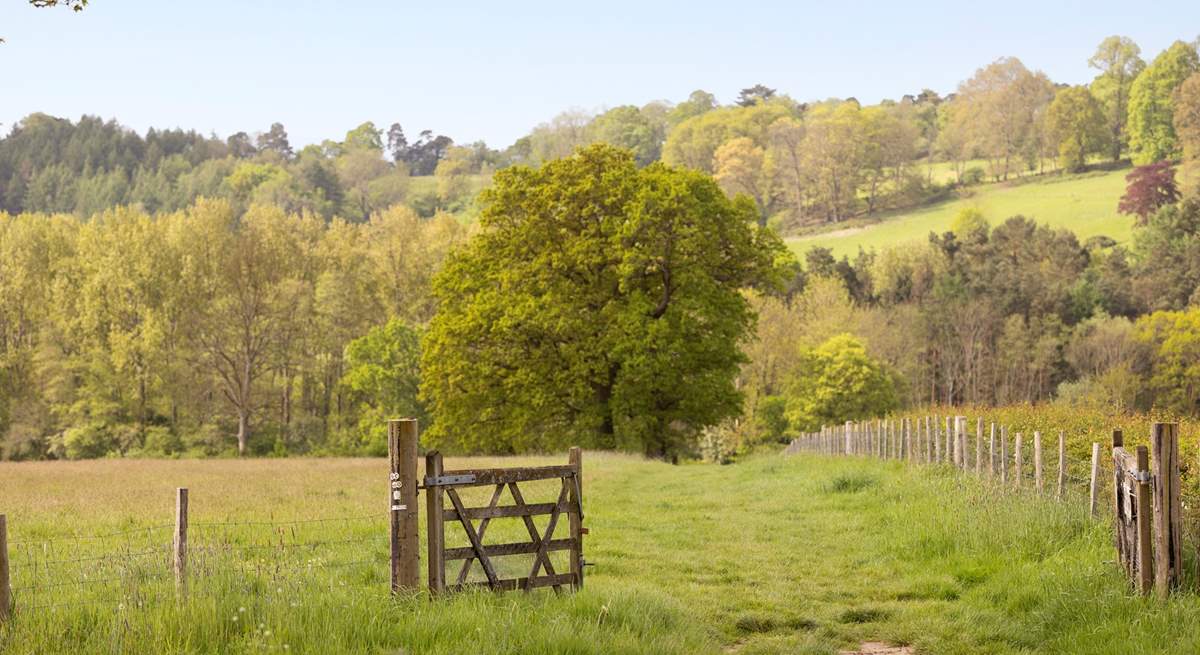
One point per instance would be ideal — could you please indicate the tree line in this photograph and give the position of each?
(211, 330)
(810, 162)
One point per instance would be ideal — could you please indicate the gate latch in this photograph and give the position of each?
(1141, 476)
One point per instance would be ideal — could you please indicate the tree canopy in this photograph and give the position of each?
(600, 304)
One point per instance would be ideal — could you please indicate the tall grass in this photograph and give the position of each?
(804, 554)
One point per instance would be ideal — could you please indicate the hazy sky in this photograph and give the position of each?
(492, 70)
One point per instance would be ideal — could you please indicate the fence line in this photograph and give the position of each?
(1144, 499)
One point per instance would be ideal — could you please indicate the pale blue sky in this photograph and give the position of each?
(492, 70)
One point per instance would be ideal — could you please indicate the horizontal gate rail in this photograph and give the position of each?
(483, 477)
(515, 548)
(509, 511)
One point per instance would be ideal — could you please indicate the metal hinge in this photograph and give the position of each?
(1140, 476)
(446, 480)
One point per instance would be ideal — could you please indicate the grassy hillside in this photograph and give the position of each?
(1085, 204)
(801, 554)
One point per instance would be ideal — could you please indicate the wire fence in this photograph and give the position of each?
(1045, 463)
(145, 566)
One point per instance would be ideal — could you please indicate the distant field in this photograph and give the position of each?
(1085, 204)
(787, 555)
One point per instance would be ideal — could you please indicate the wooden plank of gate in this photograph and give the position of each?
(513, 584)
(483, 526)
(476, 545)
(514, 548)
(575, 517)
(504, 476)
(541, 556)
(506, 511)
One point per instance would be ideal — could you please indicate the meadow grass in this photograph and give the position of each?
(801, 554)
(1086, 204)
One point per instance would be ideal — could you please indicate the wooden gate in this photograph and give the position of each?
(1147, 511)
(441, 485)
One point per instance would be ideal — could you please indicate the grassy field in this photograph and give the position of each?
(1085, 204)
(803, 554)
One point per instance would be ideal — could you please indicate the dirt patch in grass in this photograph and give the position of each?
(879, 648)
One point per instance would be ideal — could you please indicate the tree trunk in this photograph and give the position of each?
(243, 431)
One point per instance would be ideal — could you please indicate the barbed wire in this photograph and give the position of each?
(209, 524)
(108, 535)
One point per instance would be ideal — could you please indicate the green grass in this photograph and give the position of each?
(774, 554)
(1085, 204)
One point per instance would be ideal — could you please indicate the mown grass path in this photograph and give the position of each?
(771, 555)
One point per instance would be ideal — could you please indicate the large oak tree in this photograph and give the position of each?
(599, 305)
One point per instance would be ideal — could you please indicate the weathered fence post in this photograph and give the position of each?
(402, 503)
(1094, 489)
(848, 436)
(937, 443)
(1019, 463)
(949, 442)
(5, 589)
(1004, 456)
(1144, 510)
(1168, 522)
(992, 452)
(575, 460)
(1038, 481)
(961, 428)
(978, 445)
(435, 522)
(1062, 465)
(181, 534)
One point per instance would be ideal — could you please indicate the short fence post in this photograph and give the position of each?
(1168, 552)
(181, 534)
(1037, 462)
(931, 439)
(992, 452)
(5, 589)
(575, 460)
(937, 443)
(949, 442)
(961, 428)
(402, 504)
(1144, 510)
(1062, 465)
(435, 520)
(1004, 456)
(979, 445)
(1019, 464)
(848, 438)
(1094, 489)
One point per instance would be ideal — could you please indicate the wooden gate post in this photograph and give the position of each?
(402, 503)
(435, 522)
(1168, 552)
(5, 589)
(1094, 489)
(1144, 510)
(575, 460)
(181, 533)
